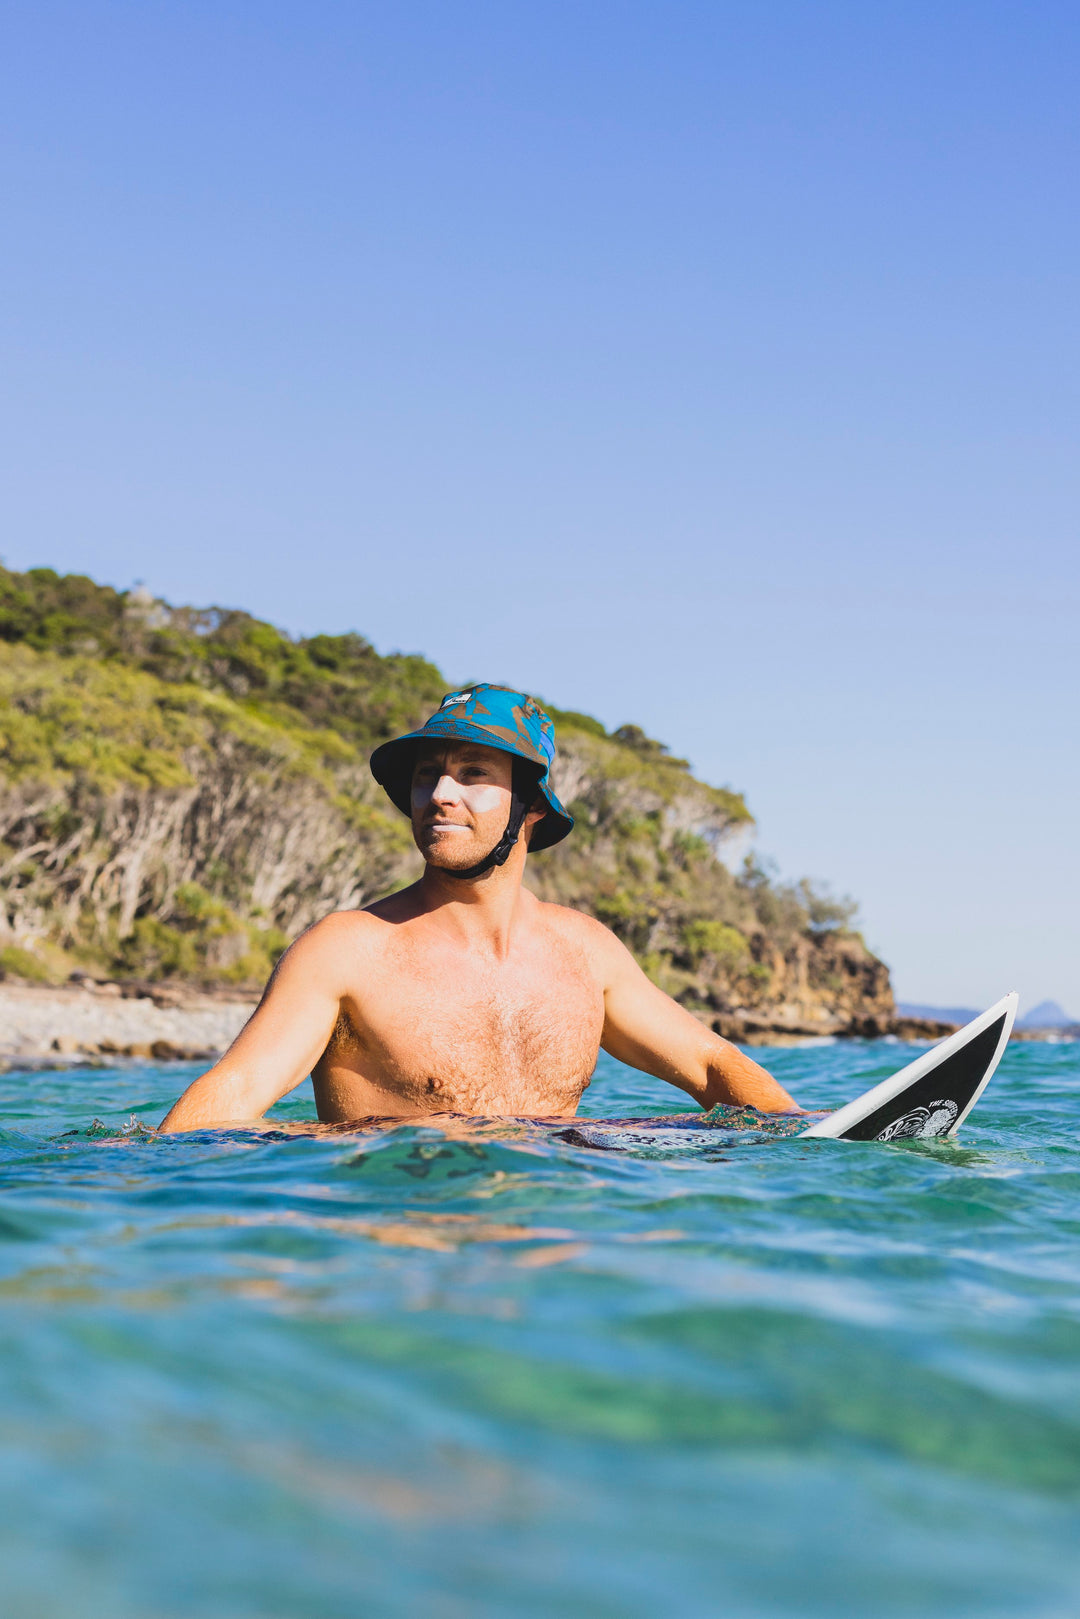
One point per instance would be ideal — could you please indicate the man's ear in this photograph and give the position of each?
(533, 816)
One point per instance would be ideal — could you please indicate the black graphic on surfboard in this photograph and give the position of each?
(933, 1095)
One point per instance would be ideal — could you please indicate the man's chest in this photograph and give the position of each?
(453, 1028)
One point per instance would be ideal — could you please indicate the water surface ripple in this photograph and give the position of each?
(503, 1369)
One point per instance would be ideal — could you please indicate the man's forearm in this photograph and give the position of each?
(737, 1080)
(216, 1097)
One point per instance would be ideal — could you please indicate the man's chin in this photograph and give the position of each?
(451, 852)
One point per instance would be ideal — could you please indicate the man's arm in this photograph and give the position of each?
(282, 1040)
(647, 1029)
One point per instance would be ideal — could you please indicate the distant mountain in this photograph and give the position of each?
(1047, 1015)
(937, 1014)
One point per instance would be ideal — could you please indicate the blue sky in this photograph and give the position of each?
(709, 366)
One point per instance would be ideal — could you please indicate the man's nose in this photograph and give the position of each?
(447, 790)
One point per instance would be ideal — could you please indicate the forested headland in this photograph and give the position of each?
(183, 790)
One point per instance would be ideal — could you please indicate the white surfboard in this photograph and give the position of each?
(933, 1095)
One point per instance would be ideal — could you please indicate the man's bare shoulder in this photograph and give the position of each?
(351, 931)
(367, 928)
(585, 931)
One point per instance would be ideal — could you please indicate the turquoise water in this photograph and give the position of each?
(496, 1373)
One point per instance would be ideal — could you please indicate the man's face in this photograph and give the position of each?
(461, 799)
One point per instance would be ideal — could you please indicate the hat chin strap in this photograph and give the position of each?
(519, 808)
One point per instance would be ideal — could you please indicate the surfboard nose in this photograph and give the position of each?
(933, 1095)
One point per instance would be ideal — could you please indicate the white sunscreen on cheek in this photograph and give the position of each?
(481, 798)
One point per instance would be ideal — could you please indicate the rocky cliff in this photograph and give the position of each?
(184, 790)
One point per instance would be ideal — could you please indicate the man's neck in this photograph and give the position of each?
(484, 910)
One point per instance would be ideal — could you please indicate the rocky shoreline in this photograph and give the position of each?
(106, 1020)
(778, 1029)
(169, 1022)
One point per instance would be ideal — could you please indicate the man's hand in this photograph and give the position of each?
(647, 1029)
(282, 1040)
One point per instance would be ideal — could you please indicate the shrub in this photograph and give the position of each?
(632, 736)
(826, 913)
(22, 964)
(154, 949)
(569, 719)
(706, 940)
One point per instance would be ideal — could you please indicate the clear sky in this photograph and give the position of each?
(711, 366)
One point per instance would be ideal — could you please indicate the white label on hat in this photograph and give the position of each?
(456, 697)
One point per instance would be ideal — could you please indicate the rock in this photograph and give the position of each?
(165, 1051)
(729, 1027)
(920, 1028)
(868, 1028)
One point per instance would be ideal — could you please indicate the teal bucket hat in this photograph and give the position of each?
(496, 717)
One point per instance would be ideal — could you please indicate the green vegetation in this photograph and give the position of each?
(185, 789)
(704, 939)
(204, 941)
(23, 964)
(78, 718)
(632, 736)
(335, 681)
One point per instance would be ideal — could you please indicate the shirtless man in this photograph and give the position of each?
(465, 993)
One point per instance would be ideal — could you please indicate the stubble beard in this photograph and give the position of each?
(452, 851)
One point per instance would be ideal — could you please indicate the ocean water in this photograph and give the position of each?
(493, 1372)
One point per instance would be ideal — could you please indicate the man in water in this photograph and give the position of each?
(465, 993)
